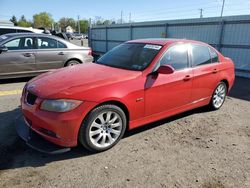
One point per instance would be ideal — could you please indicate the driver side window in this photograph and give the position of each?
(176, 56)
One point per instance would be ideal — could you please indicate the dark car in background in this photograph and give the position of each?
(29, 54)
(70, 35)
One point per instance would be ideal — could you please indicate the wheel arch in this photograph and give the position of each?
(72, 59)
(226, 82)
(113, 102)
(120, 105)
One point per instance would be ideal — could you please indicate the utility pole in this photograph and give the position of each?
(121, 16)
(78, 17)
(201, 13)
(90, 22)
(222, 9)
(130, 17)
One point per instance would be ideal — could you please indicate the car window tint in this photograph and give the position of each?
(214, 55)
(61, 45)
(176, 56)
(13, 44)
(46, 43)
(201, 55)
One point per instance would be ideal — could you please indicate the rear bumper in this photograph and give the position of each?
(35, 141)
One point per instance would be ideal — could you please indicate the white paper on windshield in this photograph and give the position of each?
(152, 46)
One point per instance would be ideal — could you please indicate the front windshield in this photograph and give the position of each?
(131, 56)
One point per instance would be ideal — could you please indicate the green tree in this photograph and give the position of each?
(64, 22)
(99, 22)
(84, 24)
(23, 22)
(14, 20)
(107, 22)
(42, 19)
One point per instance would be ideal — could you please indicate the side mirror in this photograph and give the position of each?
(165, 69)
(3, 49)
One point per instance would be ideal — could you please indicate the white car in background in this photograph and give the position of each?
(15, 29)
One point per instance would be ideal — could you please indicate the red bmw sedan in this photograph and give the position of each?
(136, 83)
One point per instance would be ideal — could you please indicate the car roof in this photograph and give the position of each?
(23, 33)
(22, 28)
(164, 41)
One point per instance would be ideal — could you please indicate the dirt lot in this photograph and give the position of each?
(195, 149)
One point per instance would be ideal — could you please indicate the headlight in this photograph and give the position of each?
(61, 105)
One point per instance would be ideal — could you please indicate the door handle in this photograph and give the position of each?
(187, 77)
(60, 53)
(27, 54)
(214, 71)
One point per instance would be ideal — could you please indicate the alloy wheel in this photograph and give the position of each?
(219, 95)
(105, 129)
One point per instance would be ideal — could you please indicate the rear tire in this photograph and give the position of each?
(219, 96)
(102, 128)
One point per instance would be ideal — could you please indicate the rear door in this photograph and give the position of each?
(205, 70)
(19, 58)
(50, 53)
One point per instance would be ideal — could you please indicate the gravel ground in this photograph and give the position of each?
(198, 148)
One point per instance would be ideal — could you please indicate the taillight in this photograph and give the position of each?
(90, 52)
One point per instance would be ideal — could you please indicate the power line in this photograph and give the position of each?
(185, 5)
(184, 9)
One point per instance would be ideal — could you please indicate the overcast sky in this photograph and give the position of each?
(141, 10)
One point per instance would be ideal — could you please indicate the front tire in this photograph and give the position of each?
(103, 128)
(219, 96)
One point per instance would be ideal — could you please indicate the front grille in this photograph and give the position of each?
(31, 98)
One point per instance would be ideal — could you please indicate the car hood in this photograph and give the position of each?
(79, 78)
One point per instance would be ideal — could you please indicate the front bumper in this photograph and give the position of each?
(36, 141)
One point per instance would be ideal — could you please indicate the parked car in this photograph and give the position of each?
(80, 36)
(15, 29)
(70, 35)
(28, 54)
(136, 83)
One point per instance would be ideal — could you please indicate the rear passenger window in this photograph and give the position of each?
(214, 55)
(176, 56)
(46, 43)
(61, 45)
(201, 55)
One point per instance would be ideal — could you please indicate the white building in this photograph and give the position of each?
(69, 29)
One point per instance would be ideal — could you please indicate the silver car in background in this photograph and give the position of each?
(29, 54)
